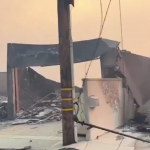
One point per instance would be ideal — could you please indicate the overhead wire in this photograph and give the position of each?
(97, 43)
(121, 26)
(101, 22)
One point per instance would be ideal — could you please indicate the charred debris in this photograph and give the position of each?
(134, 71)
(39, 99)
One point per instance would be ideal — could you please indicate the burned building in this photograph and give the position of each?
(26, 55)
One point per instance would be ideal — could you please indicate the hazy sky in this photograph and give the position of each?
(35, 21)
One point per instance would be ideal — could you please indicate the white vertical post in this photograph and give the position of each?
(72, 73)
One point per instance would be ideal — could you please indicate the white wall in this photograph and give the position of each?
(110, 113)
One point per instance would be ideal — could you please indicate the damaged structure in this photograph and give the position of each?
(31, 88)
(123, 91)
(133, 68)
(26, 55)
(114, 64)
(119, 71)
(119, 96)
(134, 71)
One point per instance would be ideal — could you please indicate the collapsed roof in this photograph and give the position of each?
(135, 68)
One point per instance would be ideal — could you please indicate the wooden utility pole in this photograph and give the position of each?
(66, 71)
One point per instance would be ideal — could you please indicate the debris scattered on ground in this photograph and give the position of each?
(41, 112)
(141, 120)
(135, 127)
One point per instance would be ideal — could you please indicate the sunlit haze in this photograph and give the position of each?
(35, 21)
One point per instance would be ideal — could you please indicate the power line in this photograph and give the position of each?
(101, 23)
(97, 44)
(120, 12)
(98, 41)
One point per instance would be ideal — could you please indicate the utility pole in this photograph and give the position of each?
(66, 71)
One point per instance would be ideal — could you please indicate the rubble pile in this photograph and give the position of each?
(41, 112)
(134, 126)
(141, 120)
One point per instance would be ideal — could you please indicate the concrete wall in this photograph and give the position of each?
(113, 103)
